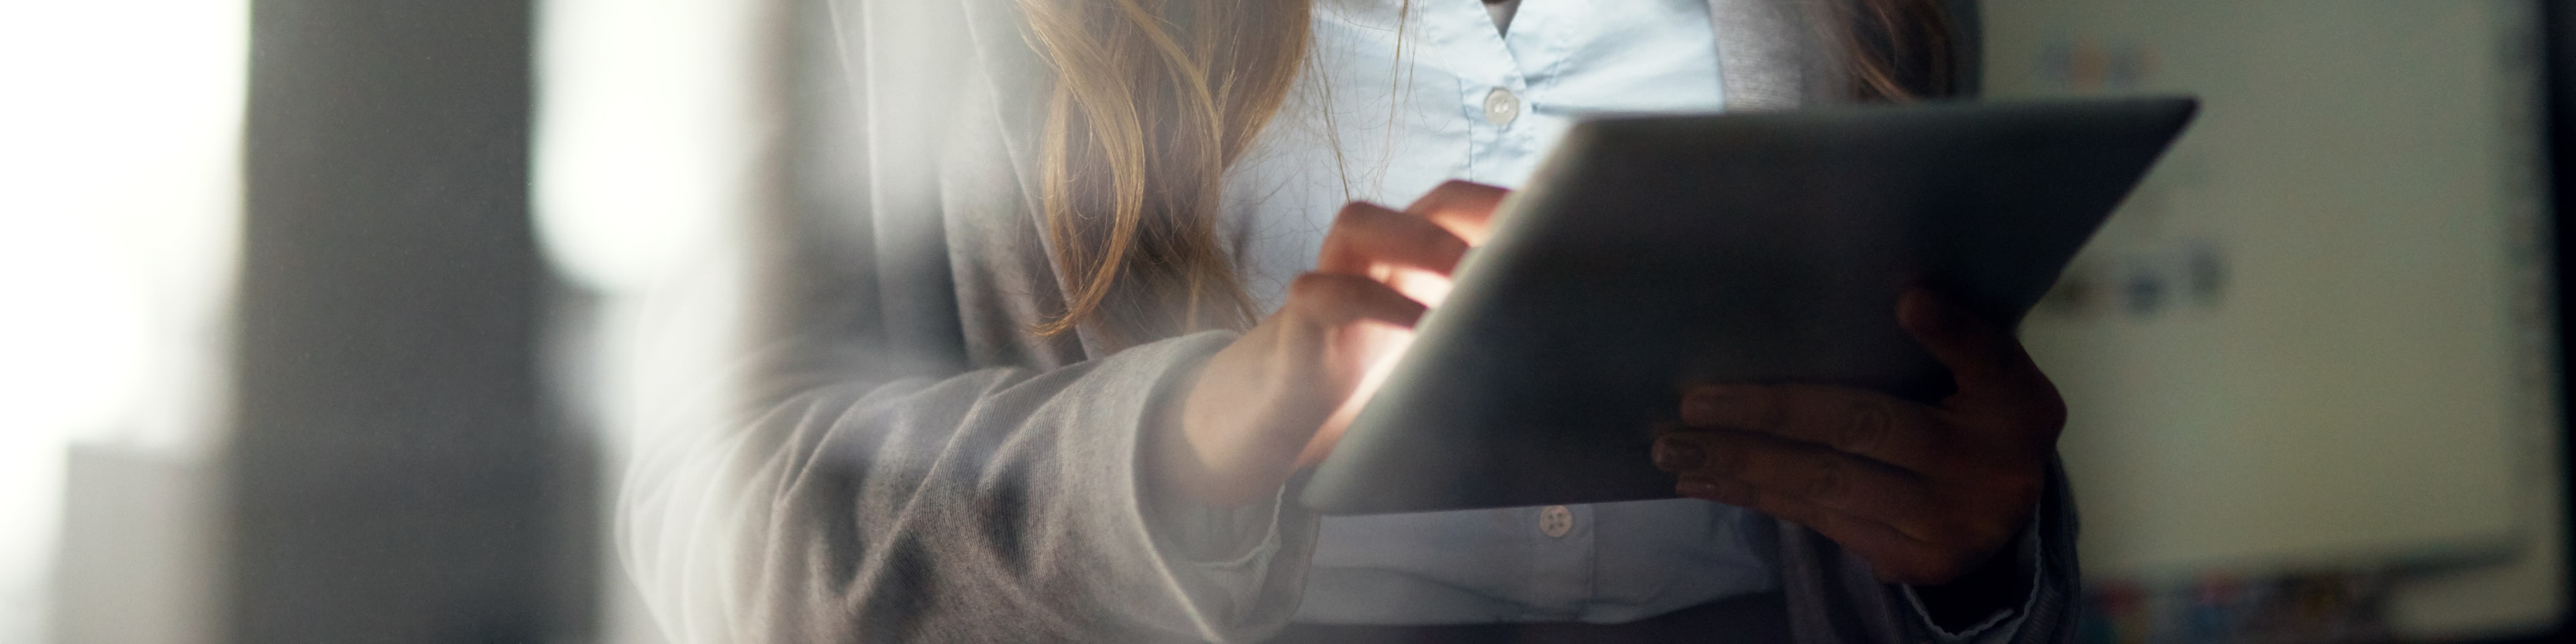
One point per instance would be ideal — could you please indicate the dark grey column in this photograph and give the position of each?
(390, 476)
(2558, 49)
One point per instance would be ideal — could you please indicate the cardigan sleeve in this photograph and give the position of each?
(998, 505)
(1835, 598)
(901, 460)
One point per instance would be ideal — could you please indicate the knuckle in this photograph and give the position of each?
(1944, 449)
(1736, 493)
(1363, 225)
(1987, 538)
(2016, 494)
(1356, 217)
(1958, 536)
(1355, 211)
(1318, 292)
(1926, 566)
(1724, 454)
(1945, 567)
(1420, 236)
(1797, 513)
(1730, 492)
(1868, 426)
(1441, 242)
(1309, 286)
(1754, 408)
(1827, 478)
(1770, 411)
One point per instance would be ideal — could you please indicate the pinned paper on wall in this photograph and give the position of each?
(2317, 334)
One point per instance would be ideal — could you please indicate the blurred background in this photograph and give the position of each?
(329, 320)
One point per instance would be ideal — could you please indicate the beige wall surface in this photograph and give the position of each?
(2316, 336)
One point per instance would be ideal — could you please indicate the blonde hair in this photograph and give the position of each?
(1153, 100)
(1898, 50)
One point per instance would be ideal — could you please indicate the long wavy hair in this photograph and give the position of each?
(1152, 101)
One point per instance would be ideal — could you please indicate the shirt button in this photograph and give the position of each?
(1555, 520)
(1501, 106)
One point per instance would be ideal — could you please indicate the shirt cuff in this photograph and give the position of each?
(2000, 626)
(1197, 533)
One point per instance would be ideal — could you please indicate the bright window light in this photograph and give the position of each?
(119, 216)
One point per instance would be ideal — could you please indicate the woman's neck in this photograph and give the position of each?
(1502, 11)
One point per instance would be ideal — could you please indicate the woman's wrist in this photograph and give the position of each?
(2003, 583)
(1223, 441)
(1173, 468)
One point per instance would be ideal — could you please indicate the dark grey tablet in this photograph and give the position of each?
(1651, 252)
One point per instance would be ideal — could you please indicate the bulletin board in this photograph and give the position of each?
(2318, 335)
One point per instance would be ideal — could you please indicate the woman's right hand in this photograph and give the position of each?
(1276, 400)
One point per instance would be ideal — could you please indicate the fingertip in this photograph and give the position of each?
(1674, 454)
(1661, 428)
(1409, 317)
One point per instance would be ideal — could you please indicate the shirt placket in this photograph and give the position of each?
(1493, 100)
(1562, 574)
(1492, 94)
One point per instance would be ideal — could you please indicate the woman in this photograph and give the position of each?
(1093, 298)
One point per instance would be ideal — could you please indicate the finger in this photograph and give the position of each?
(1885, 428)
(1367, 239)
(1805, 472)
(1982, 356)
(1333, 300)
(1330, 302)
(1340, 421)
(1895, 556)
(1465, 208)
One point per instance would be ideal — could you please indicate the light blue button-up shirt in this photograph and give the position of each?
(1396, 104)
(1466, 101)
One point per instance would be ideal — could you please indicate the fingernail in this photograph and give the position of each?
(1672, 455)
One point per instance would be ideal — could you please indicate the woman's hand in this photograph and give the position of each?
(1925, 493)
(1277, 399)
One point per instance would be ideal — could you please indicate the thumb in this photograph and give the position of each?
(1983, 357)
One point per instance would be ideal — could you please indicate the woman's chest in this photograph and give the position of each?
(1402, 96)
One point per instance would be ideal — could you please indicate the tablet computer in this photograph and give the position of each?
(1652, 252)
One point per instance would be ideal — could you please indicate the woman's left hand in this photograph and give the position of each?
(1925, 493)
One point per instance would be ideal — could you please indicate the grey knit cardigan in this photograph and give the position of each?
(910, 464)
